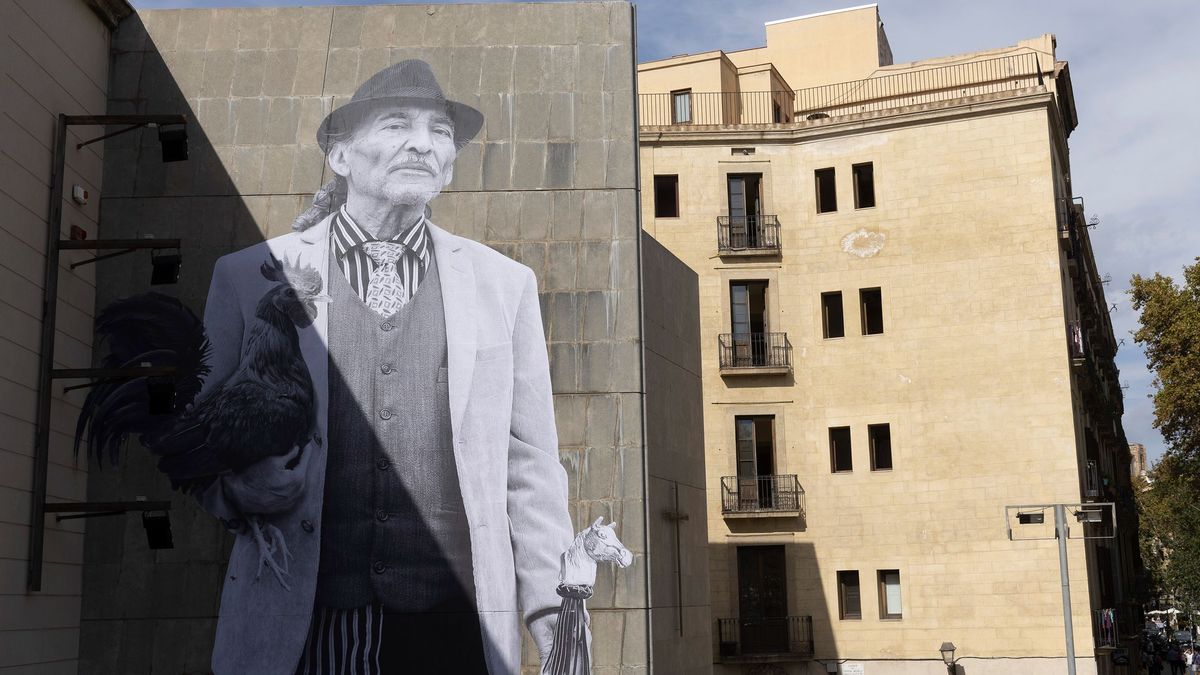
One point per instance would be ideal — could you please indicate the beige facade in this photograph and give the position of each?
(857, 482)
(55, 61)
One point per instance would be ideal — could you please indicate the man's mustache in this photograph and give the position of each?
(412, 163)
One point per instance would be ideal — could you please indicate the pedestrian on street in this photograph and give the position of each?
(1190, 660)
(1175, 659)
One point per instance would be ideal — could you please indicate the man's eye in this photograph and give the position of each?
(442, 131)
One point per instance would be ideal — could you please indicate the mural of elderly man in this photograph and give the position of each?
(426, 516)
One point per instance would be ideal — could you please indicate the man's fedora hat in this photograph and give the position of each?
(410, 81)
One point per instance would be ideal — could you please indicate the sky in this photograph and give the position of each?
(1134, 69)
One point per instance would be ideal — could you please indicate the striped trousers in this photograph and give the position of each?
(371, 641)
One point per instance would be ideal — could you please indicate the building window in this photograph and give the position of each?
(849, 595)
(880, 438)
(889, 594)
(864, 185)
(840, 457)
(755, 462)
(748, 314)
(666, 196)
(681, 106)
(833, 324)
(826, 191)
(871, 300)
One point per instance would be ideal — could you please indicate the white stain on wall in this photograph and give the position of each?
(863, 243)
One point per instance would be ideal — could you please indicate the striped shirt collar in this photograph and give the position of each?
(346, 235)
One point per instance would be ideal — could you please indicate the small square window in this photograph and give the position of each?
(666, 196)
(871, 300)
(833, 324)
(849, 595)
(889, 595)
(681, 106)
(864, 185)
(840, 457)
(826, 191)
(880, 438)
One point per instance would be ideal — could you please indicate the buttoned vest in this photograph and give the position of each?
(393, 531)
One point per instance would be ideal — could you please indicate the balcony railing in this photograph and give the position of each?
(765, 639)
(1075, 341)
(762, 495)
(1092, 487)
(755, 353)
(1107, 633)
(748, 235)
(914, 87)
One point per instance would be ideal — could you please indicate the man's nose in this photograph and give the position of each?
(419, 139)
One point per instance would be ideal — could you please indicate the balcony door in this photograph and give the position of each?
(756, 462)
(748, 312)
(745, 207)
(762, 599)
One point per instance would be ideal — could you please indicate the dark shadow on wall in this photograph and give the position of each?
(149, 611)
(771, 612)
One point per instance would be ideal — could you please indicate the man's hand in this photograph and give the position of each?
(268, 486)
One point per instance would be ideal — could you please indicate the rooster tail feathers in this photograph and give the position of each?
(150, 329)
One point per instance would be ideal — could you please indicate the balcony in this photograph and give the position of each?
(1106, 624)
(1092, 487)
(1075, 342)
(767, 640)
(755, 353)
(748, 235)
(762, 496)
(997, 76)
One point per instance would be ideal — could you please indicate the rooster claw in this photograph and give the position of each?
(268, 546)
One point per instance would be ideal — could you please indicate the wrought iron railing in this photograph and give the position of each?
(716, 107)
(761, 494)
(1092, 487)
(747, 234)
(749, 351)
(1075, 340)
(1107, 628)
(914, 87)
(764, 636)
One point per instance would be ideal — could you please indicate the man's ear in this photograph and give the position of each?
(337, 159)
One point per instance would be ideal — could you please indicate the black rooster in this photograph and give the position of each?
(264, 409)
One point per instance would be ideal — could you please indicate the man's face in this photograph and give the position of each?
(403, 154)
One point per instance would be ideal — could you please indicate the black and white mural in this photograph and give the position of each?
(366, 405)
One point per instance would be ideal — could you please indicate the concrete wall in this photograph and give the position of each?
(550, 181)
(55, 60)
(971, 373)
(680, 616)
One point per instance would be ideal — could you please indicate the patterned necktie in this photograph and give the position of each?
(386, 293)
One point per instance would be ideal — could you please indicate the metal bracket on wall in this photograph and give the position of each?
(54, 243)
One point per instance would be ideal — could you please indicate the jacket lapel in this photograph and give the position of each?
(311, 247)
(457, 276)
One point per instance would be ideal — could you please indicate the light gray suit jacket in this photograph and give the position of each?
(505, 451)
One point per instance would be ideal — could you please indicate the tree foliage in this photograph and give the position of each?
(1169, 332)
(1169, 504)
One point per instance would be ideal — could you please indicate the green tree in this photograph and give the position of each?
(1169, 332)
(1169, 505)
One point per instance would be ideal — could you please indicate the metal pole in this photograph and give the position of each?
(1060, 531)
(41, 438)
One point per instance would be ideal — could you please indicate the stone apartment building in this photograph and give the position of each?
(903, 333)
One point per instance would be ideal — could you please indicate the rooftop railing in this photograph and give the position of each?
(902, 89)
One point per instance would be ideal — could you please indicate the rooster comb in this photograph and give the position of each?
(303, 278)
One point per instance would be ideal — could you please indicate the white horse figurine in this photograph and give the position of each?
(577, 576)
